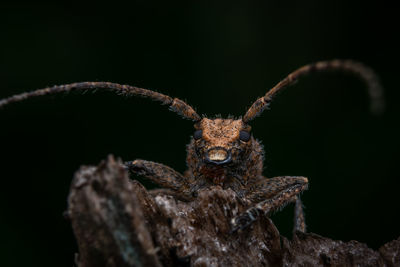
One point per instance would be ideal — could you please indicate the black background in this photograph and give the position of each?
(219, 57)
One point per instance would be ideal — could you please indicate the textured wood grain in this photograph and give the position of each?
(118, 223)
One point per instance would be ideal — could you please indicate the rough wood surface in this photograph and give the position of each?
(118, 223)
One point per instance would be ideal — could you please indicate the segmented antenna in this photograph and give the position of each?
(174, 104)
(375, 90)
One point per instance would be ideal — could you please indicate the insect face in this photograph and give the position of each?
(221, 142)
(223, 152)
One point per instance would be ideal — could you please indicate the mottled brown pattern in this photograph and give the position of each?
(220, 132)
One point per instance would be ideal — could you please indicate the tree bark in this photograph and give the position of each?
(117, 222)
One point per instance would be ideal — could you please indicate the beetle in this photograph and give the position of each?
(223, 152)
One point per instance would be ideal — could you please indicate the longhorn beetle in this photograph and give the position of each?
(223, 152)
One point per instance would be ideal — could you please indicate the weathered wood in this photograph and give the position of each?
(107, 219)
(118, 223)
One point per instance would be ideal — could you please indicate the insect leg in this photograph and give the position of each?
(277, 192)
(299, 219)
(161, 175)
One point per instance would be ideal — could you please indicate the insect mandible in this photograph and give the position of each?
(223, 152)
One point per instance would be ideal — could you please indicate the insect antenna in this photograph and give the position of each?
(375, 90)
(175, 104)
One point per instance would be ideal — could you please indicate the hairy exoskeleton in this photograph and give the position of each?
(223, 152)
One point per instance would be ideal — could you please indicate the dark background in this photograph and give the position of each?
(219, 57)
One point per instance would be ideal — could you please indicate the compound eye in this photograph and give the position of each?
(244, 136)
(198, 134)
